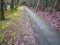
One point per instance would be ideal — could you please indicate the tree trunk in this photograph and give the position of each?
(2, 10)
(58, 6)
(55, 4)
(37, 5)
(49, 5)
(5, 4)
(12, 4)
(16, 5)
(52, 5)
(42, 3)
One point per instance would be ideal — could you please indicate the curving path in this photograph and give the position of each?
(47, 35)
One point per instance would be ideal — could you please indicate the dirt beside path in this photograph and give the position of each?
(20, 33)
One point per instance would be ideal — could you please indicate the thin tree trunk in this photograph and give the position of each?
(5, 4)
(49, 5)
(37, 5)
(42, 8)
(55, 4)
(52, 5)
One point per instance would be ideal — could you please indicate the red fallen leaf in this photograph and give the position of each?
(26, 38)
(16, 43)
(10, 31)
(15, 38)
(6, 40)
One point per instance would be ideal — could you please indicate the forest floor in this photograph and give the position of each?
(20, 32)
(23, 27)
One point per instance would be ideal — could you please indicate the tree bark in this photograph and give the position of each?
(2, 10)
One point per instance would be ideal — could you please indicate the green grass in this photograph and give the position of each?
(21, 8)
(13, 15)
(1, 37)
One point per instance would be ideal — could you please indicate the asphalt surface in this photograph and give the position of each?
(47, 35)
